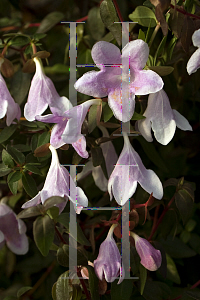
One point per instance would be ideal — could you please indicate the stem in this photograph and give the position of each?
(34, 48)
(4, 50)
(120, 16)
(83, 284)
(195, 285)
(184, 12)
(161, 218)
(154, 34)
(60, 236)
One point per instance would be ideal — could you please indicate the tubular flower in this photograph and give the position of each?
(57, 184)
(150, 257)
(162, 119)
(108, 263)
(68, 121)
(194, 62)
(128, 171)
(8, 106)
(12, 231)
(110, 157)
(108, 81)
(41, 94)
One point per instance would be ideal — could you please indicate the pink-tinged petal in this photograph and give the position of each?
(137, 51)
(33, 202)
(56, 134)
(80, 201)
(80, 147)
(144, 126)
(194, 62)
(196, 38)
(13, 112)
(104, 53)
(150, 257)
(21, 226)
(19, 245)
(3, 108)
(123, 113)
(49, 118)
(146, 82)
(150, 182)
(2, 240)
(181, 121)
(62, 105)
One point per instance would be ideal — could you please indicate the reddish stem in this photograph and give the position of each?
(60, 236)
(82, 19)
(83, 284)
(195, 285)
(118, 10)
(184, 12)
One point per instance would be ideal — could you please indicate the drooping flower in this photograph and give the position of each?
(68, 121)
(12, 231)
(194, 62)
(162, 119)
(108, 263)
(41, 94)
(150, 257)
(108, 81)
(110, 157)
(128, 171)
(58, 183)
(8, 106)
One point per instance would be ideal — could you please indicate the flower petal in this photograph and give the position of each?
(194, 62)
(61, 105)
(49, 118)
(2, 239)
(13, 112)
(104, 53)
(33, 202)
(146, 82)
(80, 147)
(196, 38)
(144, 126)
(56, 134)
(181, 121)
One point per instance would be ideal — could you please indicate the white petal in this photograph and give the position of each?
(181, 121)
(196, 38)
(144, 126)
(194, 62)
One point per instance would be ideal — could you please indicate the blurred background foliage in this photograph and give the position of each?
(27, 22)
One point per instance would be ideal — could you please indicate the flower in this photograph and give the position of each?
(194, 62)
(108, 81)
(108, 262)
(68, 121)
(162, 119)
(41, 94)
(57, 184)
(12, 231)
(150, 257)
(128, 171)
(110, 157)
(8, 106)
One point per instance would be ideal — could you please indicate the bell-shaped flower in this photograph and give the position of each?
(110, 157)
(108, 264)
(151, 258)
(108, 81)
(12, 231)
(41, 94)
(8, 106)
(128, 171)
(194, 62)
(161, 118)
(58, 183)
(68, 121)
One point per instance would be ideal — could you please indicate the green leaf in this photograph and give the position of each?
(23, 290)
(4, 170)
(14, 199)
(43, 232)
(22, 148)
(109, 16)
(93, 283)
(57, 69)
(39, 36)
(137, 116)
(33, 169)
(152, 153)
(7, 132)
(141, 35)
(53, 292)
(43, 139)
(62, 287)
(160, 49)
(194, 242)
(107, 112)
(64, 220)
(20, 85)
(16, 155)
(172, 273)
(155, 290)
(30, 212)
(121, 291)
(19, 41)
(50, 202)
(97, 156)
(53, 212)
(29, 185)
(7, 159)
(63, 256)
(12, 180)
(144, 16)
(143, 278)
(176, 248)
(190, 225)
(95, 23)
(162, 70)
(92, 118)
(184, 203)
(50, 21)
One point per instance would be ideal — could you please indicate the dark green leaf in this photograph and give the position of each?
(23, 148)
(64, 220)
(53, 292)
(172, 273)
(121, 291)
(190, 225)
(93, 283)
(29, 185)
(176, 248)
(193, 294)
(7, 159)
(162, 70)
(16, 155)
(194, 242)
(95, 23)
(141, 35)
(4, 170)
(109, 16)
(143, 278)
(184, 204)
(160, 49)
(14, 199)
(23, 290)
(43, 232)
(43, 139)
(137, 116)
(19, 41)
(7, 132)
(32, 169)
(34, 141)
(13, 181)
(171, 182)
(63, 287)
(53, 212)
(92, 118)
(57, 69)
(144, 16)
(30, 212)
(50, 21)
(39, 36)
(107, 112)
(53, 201)
(20, 85)
(97, 156)
(156, 290)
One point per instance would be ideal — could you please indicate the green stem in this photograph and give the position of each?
(154, 34)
